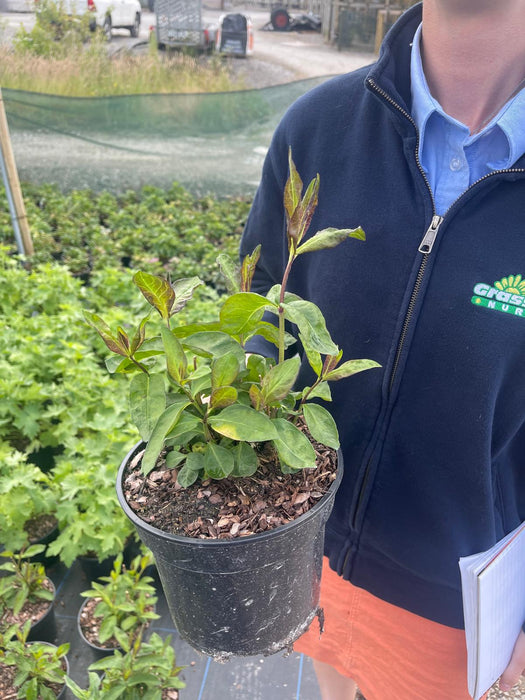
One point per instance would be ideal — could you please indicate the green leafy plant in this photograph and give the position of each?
(125, 601)
(195, 391)
(143, 671)
(93, 527)
(39, 667)
(55, 33)
(26, 493)
(24, 582)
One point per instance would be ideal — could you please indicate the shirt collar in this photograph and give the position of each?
(509, 119)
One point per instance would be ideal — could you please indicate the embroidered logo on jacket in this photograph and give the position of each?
(507, 295)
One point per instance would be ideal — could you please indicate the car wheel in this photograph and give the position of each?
(280, 19)
(106, 27)
(134, 30)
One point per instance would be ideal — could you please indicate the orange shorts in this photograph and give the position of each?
(389, 652)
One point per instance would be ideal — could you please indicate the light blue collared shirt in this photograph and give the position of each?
(450, 156)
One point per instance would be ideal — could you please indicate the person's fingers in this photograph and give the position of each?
(516, 666)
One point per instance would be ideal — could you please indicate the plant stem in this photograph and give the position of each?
(305, 397)
(286, 274)
(139, 365)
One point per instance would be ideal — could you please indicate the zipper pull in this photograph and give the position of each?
(430, 235)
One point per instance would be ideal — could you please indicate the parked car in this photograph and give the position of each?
(108, 14)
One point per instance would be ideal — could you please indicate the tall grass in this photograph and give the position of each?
(87, 73)
(61, 56)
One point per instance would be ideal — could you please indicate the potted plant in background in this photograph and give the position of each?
(119, 607)
(237, 471)
(31, 669)
(27, 502)
(145, 670)
(27, 594)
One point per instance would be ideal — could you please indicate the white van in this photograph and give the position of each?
(108, 14)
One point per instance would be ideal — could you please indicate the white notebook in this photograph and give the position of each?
(493, 584)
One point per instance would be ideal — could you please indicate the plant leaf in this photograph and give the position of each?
(293, 447)
(248, 269)
(218, 461)
(157, 290)
(140, 336)
(321, 391)
(279, 380)
(350, 367)
(174, 458)
(214, 344)
(243, 423)
(246, 461)
(241, 312)
(147, 400)
(293, 188)
(231, 273)
(312, 326)
(164, 424)
(184, 289)
(271, 333)
(330, 238)
(308, 206)
(224, 370)
(223, 396)
(314, 359)
(321, 425)
(113, 342)
(186, 427)
(176, 361)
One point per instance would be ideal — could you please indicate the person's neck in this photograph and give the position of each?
(473, 56)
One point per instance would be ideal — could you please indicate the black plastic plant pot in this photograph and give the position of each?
(43, 558)
(45, 629)
(246, 596)
(98, 650)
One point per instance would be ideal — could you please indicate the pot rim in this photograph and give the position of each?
(239, 541)
(96, 647)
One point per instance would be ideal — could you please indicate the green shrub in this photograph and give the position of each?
(158, 231)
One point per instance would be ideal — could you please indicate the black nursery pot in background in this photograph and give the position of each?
(246, 596)
(45, 628)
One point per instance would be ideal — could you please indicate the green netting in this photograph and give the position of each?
(212, 142)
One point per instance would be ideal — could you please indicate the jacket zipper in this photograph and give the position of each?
(425, 248)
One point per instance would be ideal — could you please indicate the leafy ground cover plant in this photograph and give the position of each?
(36, 670)
(25, 590)
(194, 391)
(87, 511)
(119, 606)
(146, 670)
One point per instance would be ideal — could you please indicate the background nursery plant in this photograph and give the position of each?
(26, 592)
(36, 670)
(119, 606)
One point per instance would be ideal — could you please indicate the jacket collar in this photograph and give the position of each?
(391, 72)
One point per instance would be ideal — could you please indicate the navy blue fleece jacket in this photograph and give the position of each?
(434, 441)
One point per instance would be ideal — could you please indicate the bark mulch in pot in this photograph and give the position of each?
(230, 507)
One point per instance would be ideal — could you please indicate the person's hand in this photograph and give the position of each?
(516, 667)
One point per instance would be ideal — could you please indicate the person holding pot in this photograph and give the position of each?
(425, 151)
